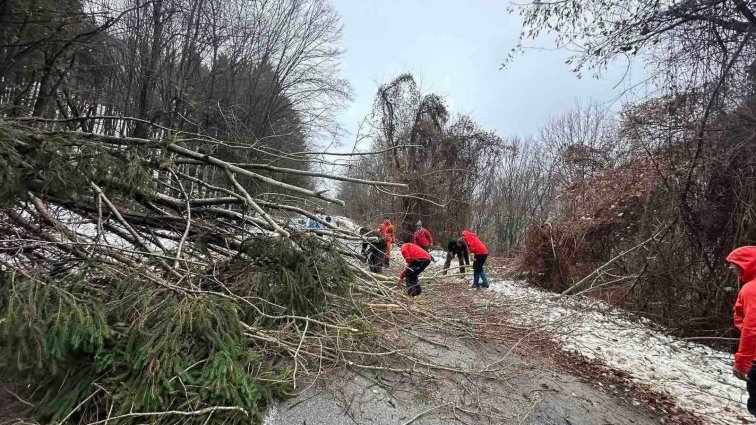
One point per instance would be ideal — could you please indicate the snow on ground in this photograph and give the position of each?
(439, 257)
(697, 377)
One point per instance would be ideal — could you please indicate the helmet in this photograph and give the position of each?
(419, 223)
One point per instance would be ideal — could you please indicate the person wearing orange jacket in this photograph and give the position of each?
(387, 233)
(477, 248)
(417, 260)
(743, 263)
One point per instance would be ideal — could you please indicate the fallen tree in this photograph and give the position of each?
(142, 281)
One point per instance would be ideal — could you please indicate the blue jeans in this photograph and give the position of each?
(478, 273)
(484, 279)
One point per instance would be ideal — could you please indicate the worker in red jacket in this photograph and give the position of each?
(387, 233)
(417, 260)
(422, 237)
(478, 249)
(743, 264)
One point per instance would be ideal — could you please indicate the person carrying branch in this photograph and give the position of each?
(422, 237)
(417, 260)
(743, 263)
(480, 253)
(387, 233)
(458, 249)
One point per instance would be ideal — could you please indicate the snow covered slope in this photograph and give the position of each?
(696, 376)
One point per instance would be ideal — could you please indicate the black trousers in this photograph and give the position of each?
(413, 283)
(480, 259)
(462, 256)
(376, 260)
(751, 387)
(375, 255)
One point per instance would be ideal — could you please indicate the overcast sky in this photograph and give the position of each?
(455, 49)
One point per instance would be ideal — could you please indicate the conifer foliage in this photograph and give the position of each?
(132, 291)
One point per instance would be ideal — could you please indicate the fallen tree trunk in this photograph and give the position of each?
(138, 290)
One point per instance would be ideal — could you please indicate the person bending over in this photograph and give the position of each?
(417, 260)
(476, 247)
(455, 248)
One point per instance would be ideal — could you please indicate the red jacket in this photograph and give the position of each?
(423, 238)
(474, 245)
(745, 307)
(412, 252)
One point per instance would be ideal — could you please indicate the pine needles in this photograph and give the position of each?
(137, 284)
(151, 349)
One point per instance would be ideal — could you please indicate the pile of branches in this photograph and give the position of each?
(142, 281)
(595, 215)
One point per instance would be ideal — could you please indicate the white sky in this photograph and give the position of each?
(455, 48)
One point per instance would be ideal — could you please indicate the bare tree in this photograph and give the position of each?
(445, 160)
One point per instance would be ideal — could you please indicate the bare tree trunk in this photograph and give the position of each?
(147, 84)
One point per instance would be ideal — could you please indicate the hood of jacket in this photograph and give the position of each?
(745, 257)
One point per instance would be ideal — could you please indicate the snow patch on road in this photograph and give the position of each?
(697, 377)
